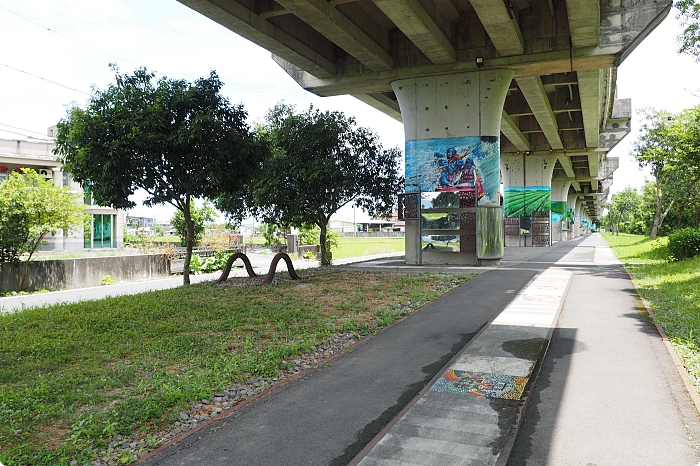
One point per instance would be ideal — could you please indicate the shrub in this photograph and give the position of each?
(208, 264)
(309, 234)
(106, 280)
(684, 244)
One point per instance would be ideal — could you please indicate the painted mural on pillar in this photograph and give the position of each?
(559, 211)
(456, 164)
(523, 201)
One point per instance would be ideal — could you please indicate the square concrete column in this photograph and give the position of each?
(452, 125)
(560, 217)
(527, 194)
(571, 199)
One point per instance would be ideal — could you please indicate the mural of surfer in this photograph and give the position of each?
(456, 164)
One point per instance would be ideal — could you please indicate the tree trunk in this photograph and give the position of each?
(659, 216)
(657, 212)
(189, 243)
(679, 220)
(24, 276)
(322, 239)
(697, 217)
(29, 258)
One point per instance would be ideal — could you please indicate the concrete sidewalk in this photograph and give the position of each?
(608, 392)
(449, 385)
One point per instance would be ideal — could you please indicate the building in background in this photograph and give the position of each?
(106, 225)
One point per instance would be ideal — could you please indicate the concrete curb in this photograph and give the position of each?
(470, 357)
(525, 398)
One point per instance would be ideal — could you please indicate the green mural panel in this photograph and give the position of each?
(559, 211)
(522, 202)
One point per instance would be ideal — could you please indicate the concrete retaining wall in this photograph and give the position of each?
(79, 273)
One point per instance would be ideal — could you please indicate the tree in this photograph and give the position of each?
(670, 147)
(623, 208)
(199, 216)
(319, 162)
(689, 38)
(31, 207)
(175, 140)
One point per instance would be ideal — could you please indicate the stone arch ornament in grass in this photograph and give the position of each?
(249, 268)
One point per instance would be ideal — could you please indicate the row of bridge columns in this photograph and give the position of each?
(452, 130)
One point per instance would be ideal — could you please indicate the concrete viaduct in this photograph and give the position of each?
(518, 92)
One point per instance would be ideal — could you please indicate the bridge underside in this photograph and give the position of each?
(558, 108)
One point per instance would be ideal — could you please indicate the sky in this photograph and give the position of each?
(56, 51)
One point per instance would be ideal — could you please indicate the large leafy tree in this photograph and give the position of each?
(173, 139)
(200, 217)
(670, 146)
(31, 207)
(624, 208)
(319, 162)
(689, 38)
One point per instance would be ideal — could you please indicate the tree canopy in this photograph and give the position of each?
(31, 207)
(318, 162)
(175, 140)
(624, 208)
(670, 146)
(689, 38)
(200, 216)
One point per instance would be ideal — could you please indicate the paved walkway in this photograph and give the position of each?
(449, 384)
(608, 392)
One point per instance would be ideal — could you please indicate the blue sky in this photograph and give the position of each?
(172, 40)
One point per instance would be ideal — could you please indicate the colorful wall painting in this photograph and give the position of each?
(508, 387)
(456, 164)
(523, 201)
(559, 211)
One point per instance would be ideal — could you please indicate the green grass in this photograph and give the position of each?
(73, 376)
(355, 247)
(671, 288)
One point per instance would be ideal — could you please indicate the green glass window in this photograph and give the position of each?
(102, 232)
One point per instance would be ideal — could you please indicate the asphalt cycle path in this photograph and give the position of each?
(329, 415)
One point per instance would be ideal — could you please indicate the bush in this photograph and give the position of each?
(684, 244)
(209, 264)
(309, 234)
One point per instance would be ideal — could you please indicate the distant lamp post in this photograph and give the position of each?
(354, 223)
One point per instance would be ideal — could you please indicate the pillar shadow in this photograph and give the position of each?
(543, 406)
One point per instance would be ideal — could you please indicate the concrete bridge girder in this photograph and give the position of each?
(560, 105)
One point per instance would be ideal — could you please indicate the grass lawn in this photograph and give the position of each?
(73, 377)
(671, 288)
(354, 247)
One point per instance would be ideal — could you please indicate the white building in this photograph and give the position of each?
(106, 224)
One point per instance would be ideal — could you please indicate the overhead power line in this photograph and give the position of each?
(22, 134)
(67, 37)
(44, 79)
(21, 129)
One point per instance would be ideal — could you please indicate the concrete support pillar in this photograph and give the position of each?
(560, 219)
(578, 219)
(452, 125)
(571, 214)
(527, 190)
